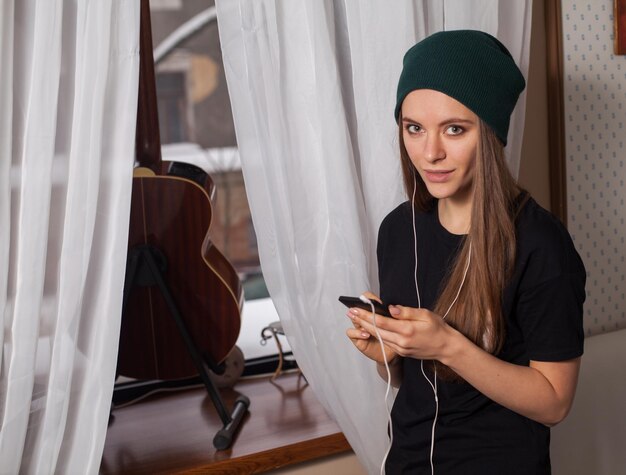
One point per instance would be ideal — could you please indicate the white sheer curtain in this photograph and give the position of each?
(312, 87)
(68, 99)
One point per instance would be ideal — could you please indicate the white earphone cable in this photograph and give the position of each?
(417, 290)
(382, 348)
(433, 383)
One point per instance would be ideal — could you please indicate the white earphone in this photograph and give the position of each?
(364, 299)
(433, 383)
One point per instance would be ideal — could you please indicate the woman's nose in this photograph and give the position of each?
(433, 148)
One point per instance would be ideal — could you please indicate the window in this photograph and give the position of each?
(196, 126)
(172, 103)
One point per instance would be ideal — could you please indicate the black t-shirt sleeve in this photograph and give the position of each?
(380, 254)
(551, 318)
(551, 293)
(388, 257)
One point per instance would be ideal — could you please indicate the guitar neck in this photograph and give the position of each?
(147, 139)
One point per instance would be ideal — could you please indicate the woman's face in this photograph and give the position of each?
(441, 137)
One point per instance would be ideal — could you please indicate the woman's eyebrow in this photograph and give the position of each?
(456, 120)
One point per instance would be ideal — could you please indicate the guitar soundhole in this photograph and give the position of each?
(188, 171)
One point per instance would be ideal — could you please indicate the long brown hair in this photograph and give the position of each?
(478, 311)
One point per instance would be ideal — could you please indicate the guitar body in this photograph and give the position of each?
(172, 215)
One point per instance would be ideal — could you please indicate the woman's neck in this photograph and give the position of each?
(455, 216)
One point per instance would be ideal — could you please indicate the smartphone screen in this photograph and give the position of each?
(380, 309)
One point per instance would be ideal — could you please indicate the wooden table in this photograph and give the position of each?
(173, 432)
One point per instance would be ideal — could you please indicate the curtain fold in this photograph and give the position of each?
(69, 123)
(6, 104)
(312, 88)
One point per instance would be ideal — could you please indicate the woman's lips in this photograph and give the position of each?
(438, 176)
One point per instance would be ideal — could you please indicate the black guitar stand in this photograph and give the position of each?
(145, 267)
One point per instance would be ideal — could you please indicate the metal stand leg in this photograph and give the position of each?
(224, 436)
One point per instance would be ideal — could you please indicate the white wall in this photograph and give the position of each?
(595, 114)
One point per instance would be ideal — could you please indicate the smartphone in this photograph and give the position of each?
(380, 309)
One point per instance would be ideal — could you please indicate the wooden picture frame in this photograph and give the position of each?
(619, 26)
(556, 116)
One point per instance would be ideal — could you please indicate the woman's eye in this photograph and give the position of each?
(454, 130)
(413, 129)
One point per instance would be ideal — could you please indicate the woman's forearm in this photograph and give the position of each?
(544, 393)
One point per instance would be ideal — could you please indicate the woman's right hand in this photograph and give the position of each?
(368, 344)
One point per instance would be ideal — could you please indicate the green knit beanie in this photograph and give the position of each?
(470, 66)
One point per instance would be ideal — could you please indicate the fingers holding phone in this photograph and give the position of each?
(364, 341)
(365, 302)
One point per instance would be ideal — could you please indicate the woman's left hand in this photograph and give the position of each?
(412, 332)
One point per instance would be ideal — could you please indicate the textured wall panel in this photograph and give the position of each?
(595, 114)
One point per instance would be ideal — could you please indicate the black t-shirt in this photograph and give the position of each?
(542, 306)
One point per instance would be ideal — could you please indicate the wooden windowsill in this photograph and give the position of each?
(173, 432)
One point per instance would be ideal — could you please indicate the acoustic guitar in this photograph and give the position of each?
(171, 213)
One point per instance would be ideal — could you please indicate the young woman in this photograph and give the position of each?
(485, 287)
